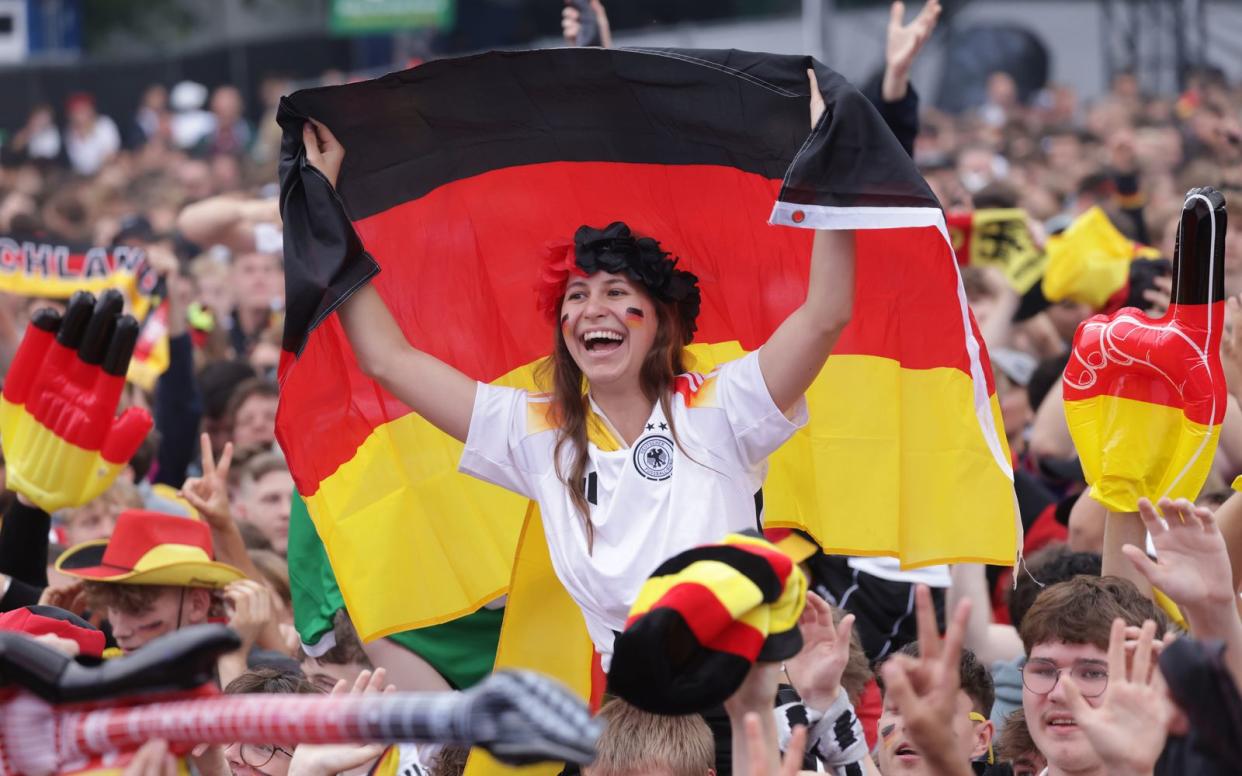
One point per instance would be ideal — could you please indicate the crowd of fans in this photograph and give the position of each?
(1069, 667)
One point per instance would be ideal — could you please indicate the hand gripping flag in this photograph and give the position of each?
(1144, 398)
(459, 172)
(63, 445)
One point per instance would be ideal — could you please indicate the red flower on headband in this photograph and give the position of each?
(559, 263)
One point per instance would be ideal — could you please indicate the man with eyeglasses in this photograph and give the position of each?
(265, 759)
(1066, 633)
(261, 760)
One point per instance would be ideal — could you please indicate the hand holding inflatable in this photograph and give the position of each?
(1144, 397)
(63, 445)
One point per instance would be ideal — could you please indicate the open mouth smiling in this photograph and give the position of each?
(602, 340)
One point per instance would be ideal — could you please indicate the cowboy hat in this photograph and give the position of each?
(150, 548)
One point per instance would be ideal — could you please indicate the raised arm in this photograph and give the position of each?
(432, 388)
(795, 353)
(227, 220)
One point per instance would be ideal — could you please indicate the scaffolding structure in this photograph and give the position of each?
(1161, 41)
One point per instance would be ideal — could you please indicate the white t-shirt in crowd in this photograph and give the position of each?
(890, 569)
(88, 152)
(649, 501)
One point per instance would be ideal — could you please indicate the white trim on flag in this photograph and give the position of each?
(832, 217)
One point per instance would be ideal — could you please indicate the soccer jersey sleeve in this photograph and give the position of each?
(497, 443)
(758, 424)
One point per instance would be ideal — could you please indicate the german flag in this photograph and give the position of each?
(457, 175)
(1144, 398)
(1092, 262)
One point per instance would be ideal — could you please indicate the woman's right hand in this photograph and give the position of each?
(323, 150)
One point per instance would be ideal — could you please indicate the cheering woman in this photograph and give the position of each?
(631, 459)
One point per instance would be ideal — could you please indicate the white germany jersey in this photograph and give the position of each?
(649, 501)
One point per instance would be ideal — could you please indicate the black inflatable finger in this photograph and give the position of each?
(77, 316)
(124, 337)
(99, 329)
(46, 319)
(1199, 262)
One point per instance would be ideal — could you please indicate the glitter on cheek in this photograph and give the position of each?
(634, 317)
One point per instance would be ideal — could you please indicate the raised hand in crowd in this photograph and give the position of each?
(903, 44)
(252, 613)
(925, 688)
(990, 641)
(179, 292)
(1128, 726)
(815, 672)
(251, 609)
(762, 751)
(572, 23)
(331, 759)
(209, 495)
(1192, 567)
(236, 222)
(70, 597)
(1160, 297)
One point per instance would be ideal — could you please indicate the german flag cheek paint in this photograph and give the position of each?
(565, 324)
(888, 734)
(634, 317)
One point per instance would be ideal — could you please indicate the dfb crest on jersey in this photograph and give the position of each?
(653, 457)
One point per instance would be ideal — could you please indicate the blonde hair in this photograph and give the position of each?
(635, 741)
(275, 571)
(119, 496)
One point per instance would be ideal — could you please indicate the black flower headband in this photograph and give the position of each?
(614, 249)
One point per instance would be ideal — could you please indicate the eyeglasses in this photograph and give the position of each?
(1041, 677)
(259, 755)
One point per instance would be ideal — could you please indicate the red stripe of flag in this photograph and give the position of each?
(475, 277)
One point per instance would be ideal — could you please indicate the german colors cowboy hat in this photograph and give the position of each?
(150, 548)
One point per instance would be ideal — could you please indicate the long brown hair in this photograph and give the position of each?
(660, 368)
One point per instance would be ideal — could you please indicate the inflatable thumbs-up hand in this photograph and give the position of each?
(1144, 397)
(63, 444)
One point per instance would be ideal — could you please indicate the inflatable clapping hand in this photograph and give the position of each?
(1144, 398)
(63, 445)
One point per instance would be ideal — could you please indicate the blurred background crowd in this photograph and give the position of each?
(173, 148)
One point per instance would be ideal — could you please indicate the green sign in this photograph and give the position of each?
(368, 16)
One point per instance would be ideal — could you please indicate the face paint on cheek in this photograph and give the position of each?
(634, 317)
(888, 734)
(565, 324)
